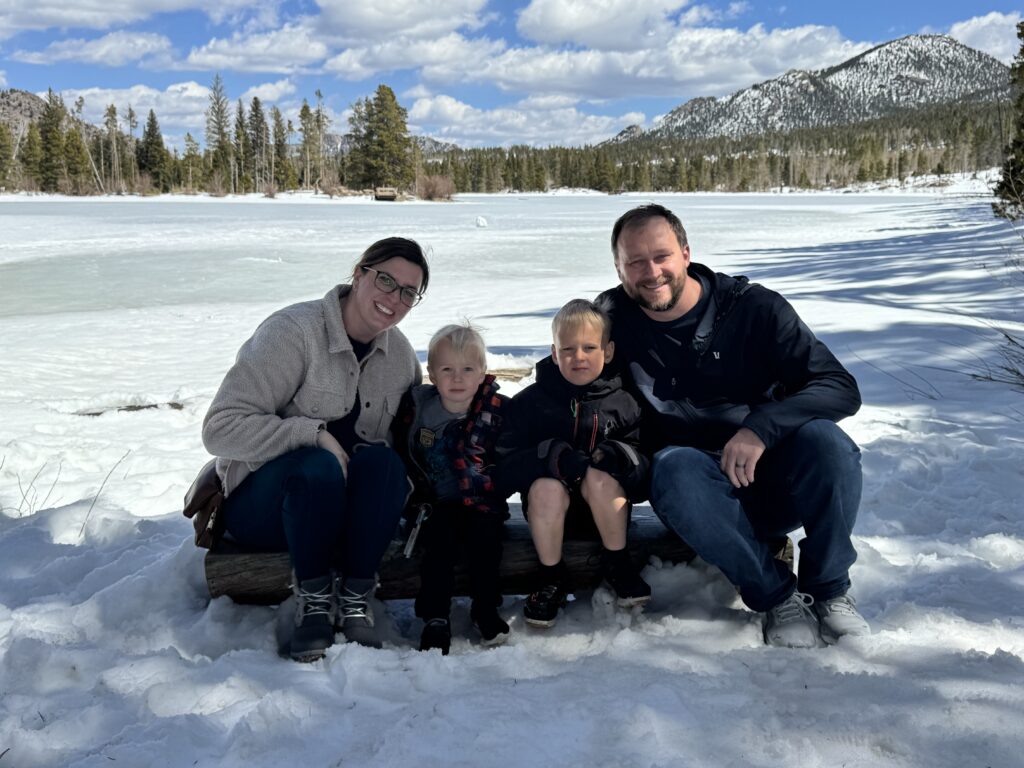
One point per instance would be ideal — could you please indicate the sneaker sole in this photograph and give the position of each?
(540, 623)
(309, 657)
(632, 602)
(499, 639)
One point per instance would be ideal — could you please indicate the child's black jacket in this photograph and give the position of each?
(599, 415)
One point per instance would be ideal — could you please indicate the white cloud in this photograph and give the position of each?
(179, 107)
(270, 92)
(994, 33)
(418, 91)
(404, 53)
(617, 25)
(701, 61)
(546, 102)
(3, 79)
(289, 49)
(19, 15)
(382, 20)
(113, 50)
(449, 119)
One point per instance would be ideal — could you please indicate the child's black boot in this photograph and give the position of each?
(437, 633)
(541, 609)
(624, 578)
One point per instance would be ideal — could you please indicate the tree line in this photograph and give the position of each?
(252, 148)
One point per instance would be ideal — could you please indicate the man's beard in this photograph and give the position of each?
(664, 306)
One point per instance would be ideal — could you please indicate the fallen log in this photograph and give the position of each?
(265, 578)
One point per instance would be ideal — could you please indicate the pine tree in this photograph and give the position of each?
(76, 161)
(282, 170)
(307, 127)
(218, 141)
(30, 157)
(259, 140)
(113, 147)
(386, 150)
(1010, 189)
(152, 157)
(6, 153)
(51, 134)
(240, 178)
(192, 162)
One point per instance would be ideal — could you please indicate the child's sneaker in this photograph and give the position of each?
(437, 633)
(623, 577)
(492, 628)
(541, 609)
(839, 616)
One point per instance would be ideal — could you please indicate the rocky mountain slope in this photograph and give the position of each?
(913, 71)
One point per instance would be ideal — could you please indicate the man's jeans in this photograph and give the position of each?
(812, 478)
(301, 503)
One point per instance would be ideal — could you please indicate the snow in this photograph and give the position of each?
(112, 653)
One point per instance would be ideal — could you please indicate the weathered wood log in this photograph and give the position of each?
(264, 578)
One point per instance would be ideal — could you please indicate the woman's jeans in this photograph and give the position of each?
(812, 478)
(301, 503)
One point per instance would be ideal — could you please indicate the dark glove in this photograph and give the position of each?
(567, 465)
(611, 457)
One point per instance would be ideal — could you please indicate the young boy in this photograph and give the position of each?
(573, 437)
(447, 432)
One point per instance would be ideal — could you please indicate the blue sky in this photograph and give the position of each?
(475, 72)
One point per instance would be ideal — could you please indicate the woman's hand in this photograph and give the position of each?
(325, 440)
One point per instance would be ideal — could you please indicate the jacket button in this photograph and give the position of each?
(366, 404)
(315, 409)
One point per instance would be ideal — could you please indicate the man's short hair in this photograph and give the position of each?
(639, 216)
(579, 312)
(466, 341)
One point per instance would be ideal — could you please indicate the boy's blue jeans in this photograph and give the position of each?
(812, 478)
(301, 503)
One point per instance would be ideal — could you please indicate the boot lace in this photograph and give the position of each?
(793, 609)
(354, 605)
(844, 605)
(315, 603)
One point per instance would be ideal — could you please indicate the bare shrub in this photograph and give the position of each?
(435, 187)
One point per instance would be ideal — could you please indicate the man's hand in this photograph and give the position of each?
(325, 440)
(740, 456)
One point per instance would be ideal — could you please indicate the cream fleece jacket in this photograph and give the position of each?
(296, 373)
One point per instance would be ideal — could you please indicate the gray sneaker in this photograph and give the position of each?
(355, 615)
(839, 616)
(792, 623)
(313, 624)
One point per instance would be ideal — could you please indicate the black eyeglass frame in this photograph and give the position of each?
(387, 283)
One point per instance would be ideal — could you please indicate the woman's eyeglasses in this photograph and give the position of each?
(386, 283)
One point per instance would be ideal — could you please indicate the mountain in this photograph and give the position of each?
(911, 72)
(19, 108)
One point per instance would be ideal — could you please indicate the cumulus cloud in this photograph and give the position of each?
(289, 49)
(695, 61)
(449, 119)
(179, 107)
(20, 15)
(994, 33)
(600, 24)
(383, 20)
(270, 92)
(418, 91)
(113, 50)
(3, 79)
(404, 53)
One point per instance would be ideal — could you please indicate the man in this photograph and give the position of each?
(740, 403)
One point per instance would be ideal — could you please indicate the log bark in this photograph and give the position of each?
(265, 578)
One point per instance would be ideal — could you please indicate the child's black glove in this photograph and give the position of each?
(567, 465)
(610, 456)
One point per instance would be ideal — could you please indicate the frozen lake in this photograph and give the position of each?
(110, 649)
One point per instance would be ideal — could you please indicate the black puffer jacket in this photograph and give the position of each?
(553, 410)
(753, 363)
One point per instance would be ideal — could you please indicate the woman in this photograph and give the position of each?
(301, 426)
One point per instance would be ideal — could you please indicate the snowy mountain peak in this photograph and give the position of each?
(913, 71)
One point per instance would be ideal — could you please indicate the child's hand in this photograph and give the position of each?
(567, 465)
(608, 457)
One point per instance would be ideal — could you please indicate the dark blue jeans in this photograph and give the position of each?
(812, 479)
(300, 503)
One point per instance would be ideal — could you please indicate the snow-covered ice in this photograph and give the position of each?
(111, 652)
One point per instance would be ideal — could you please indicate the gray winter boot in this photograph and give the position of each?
(315, 613)
(355, 615)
